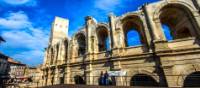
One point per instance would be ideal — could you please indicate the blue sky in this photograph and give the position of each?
(25, 24)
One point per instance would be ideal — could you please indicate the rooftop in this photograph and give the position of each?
(11, 61)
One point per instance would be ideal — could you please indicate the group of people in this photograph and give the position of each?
(104, 79)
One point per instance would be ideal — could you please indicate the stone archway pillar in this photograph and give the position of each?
(56, 78)
(170, 77)
(112, 30)
(90, 27)
(154, 25)
(148, 34)
(89, 76)
(49, 77)
(197, 21)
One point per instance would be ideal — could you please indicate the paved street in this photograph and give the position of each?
(89, 86)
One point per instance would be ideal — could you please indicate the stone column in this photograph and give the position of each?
(112, 23)
(154, 23)
(90, 27)
(147, 32)
(67, 75)
(44, 77)
(56, 76)
(196, 4)
(117, 35)
(56, 51)
(49, 77)
(62, 53)
(69, 59)
(45, 57)
(170, 77)
(154, 26)
(197, 22)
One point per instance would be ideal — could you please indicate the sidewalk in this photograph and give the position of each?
(90, 86)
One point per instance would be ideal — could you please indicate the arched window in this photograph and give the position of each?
(107, 43)
(143, 80)
(167, 32)
(66, 48)
(192, 80)
(81, 40)
(133, 38)
(176, 21)
(133, 31)
(103, 40)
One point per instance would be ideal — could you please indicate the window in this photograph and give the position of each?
(133, 31)
(176, 21)
(103, 40)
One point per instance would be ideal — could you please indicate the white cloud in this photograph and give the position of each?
(21, 2)
(24, 57)
(22, 39)
(107, 5)
(33, 43)
(17, 20)
(28, 40)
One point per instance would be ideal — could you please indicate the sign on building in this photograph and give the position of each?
(116, 73)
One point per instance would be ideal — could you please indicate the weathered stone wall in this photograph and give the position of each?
(168, 63)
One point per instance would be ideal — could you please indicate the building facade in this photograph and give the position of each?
(4, 66)
(17, 70)
(156, 61)
(34, 76)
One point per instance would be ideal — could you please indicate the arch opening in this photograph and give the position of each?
(133, 38)
(62, 75)
(192, 80)
(167, 32)
(81, 40)
(66, 49)
(133, 31)
(51, 56)
(176, 22)
(143, 80)
(79, 80)
(103, 40)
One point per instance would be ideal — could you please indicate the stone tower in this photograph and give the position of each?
(59, 30)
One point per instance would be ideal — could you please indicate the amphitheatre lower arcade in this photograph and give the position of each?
(166, 54)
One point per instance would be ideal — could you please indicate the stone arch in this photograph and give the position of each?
(185, 71)
(192, 80)
(133, 22)
(143, 80)
(79, 79)
(80, 42)
(148, 72)
(179, 16)
(162, 5)
(66, 47)
(102, 31)
(82, 32)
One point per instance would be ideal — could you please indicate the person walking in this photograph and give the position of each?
(101, 79)
(106, 80)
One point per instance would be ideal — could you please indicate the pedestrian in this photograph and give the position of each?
(106, 80)
(101, 79)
